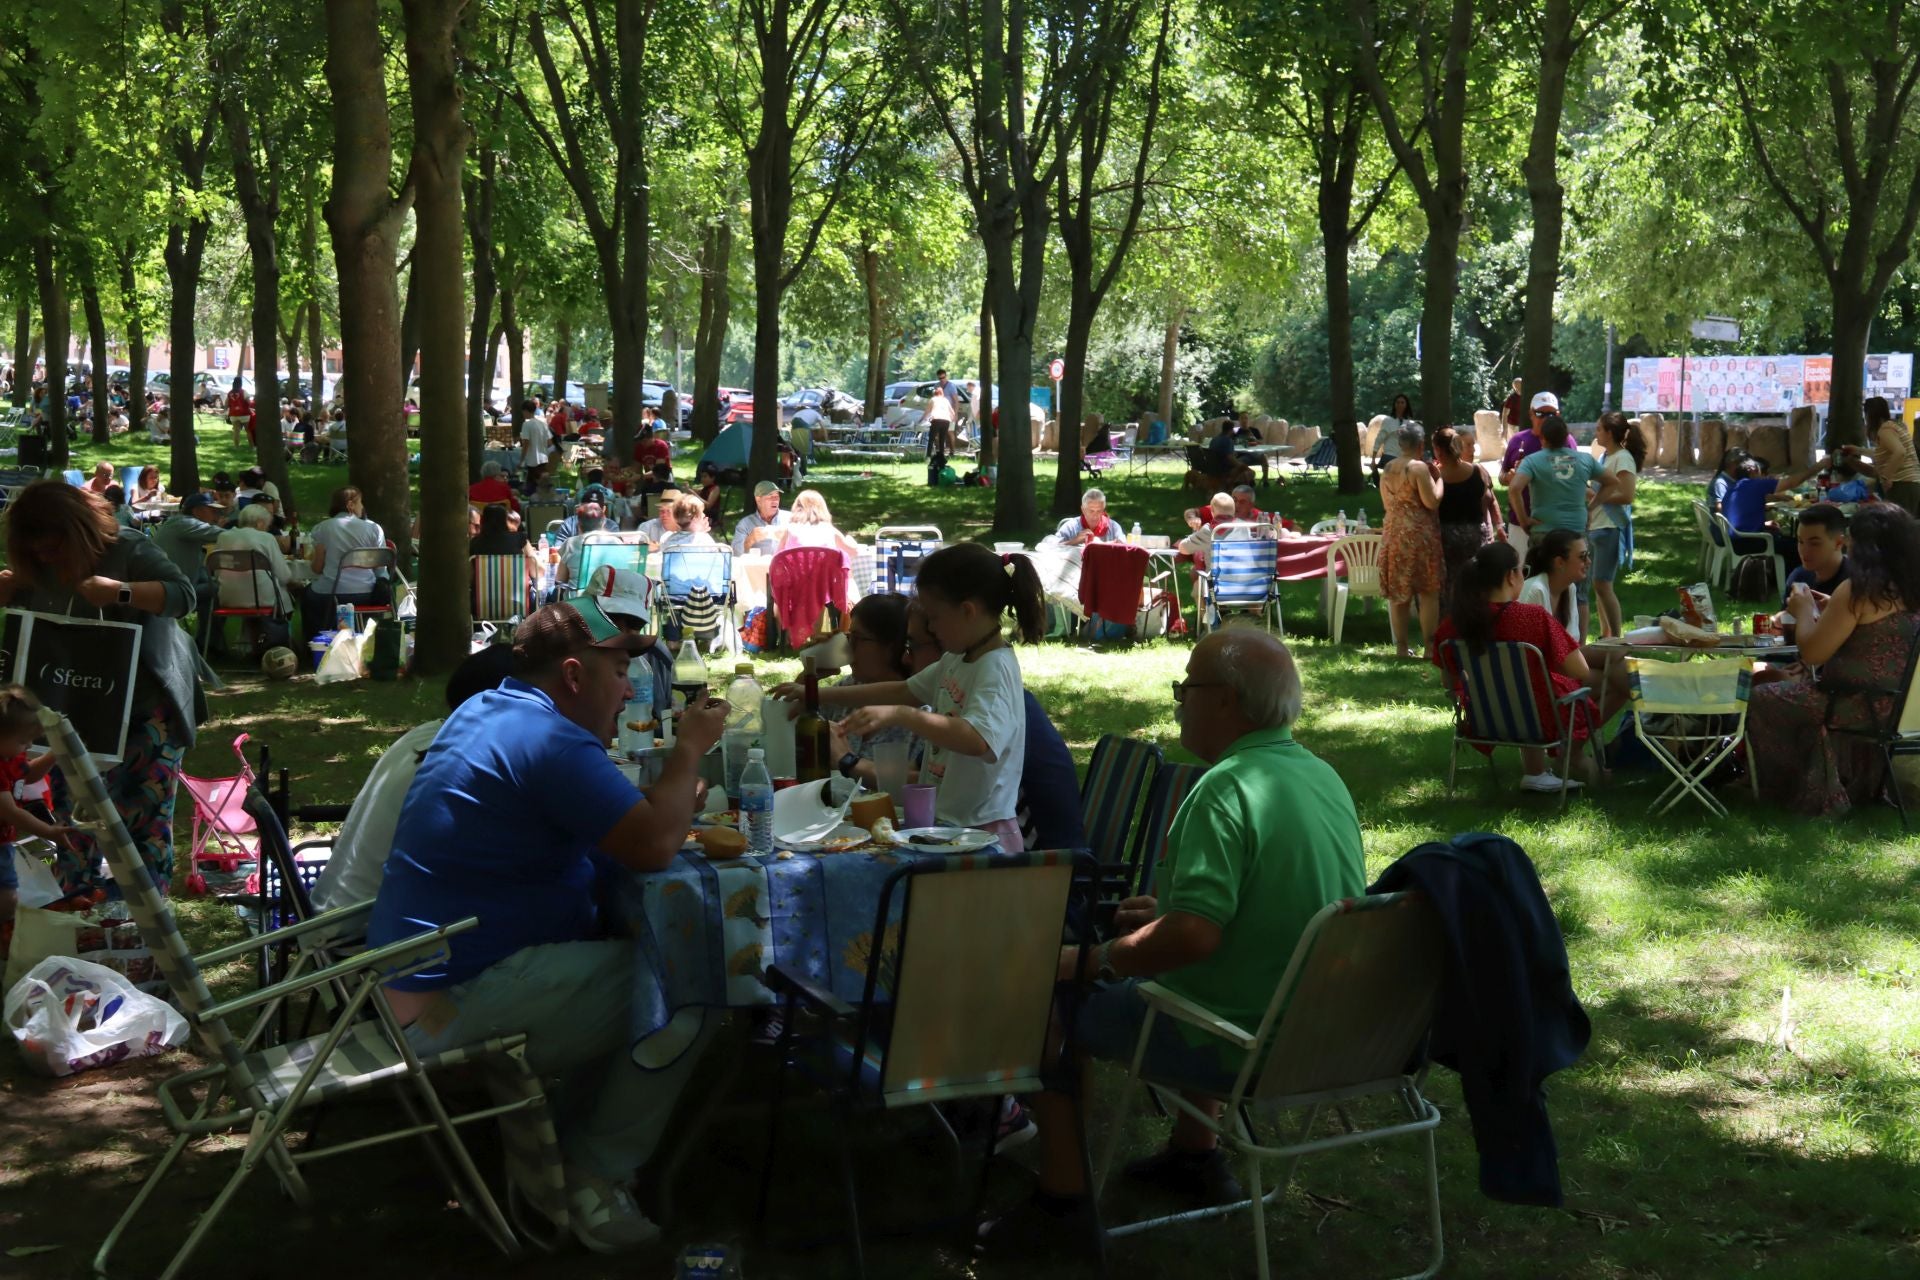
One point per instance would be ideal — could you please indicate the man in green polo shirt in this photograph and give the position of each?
(1266, 838)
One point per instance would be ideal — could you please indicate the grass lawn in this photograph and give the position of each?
(1748, 1103)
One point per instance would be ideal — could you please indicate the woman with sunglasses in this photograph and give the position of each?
(1556, 566)
(877, 638)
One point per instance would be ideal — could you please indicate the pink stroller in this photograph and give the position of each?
(223, 852)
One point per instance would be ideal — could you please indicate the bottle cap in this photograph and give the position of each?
(755, 755)
(743, 669)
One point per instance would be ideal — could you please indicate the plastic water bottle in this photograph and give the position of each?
(745, 724)
(1340, 521)
(755, 795)
(1133, 535)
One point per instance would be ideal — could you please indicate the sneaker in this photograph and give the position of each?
(1016, 1126)
(1194, 1175)
(605, 1218)
(1548, 782)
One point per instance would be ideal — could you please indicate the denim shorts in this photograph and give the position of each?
(1606, 545)
(1108, 1026)
(9, 876)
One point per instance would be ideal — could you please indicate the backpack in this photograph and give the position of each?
(1753, 579)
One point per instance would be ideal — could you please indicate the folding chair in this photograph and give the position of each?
(684, 568)
(1165, 794)
(898, 550)
(624, 551)
(1716, 561)
(380, 560)
(1502, 697)
(1242, 573)
(1128, 566)
(499, 588)
(542, 515)
(266, 1089)
(245, 569)
(1359, 554)
(1706, 706)
(933, 1023)
(1897, 733)
(1740, 547)
(1347, 1022)
(1110, 794)
(802, 584)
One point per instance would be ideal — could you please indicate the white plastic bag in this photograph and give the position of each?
(342, 660)
(69, 1015)
(37, 885)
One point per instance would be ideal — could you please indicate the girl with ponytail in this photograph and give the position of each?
(969, 707)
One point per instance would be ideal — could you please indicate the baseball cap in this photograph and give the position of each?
(1546, 400)
(764, 488)
(202, 499)
(561, 630)
(594, 493)
(668, 497)
(622, 593)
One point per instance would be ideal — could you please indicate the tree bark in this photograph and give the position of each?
(97, 348)
(1344, 427)
(479, 213)
(770, 191)
(22, 391)
(516, 368)
(439, 157)
(1545, 194)
(259, 208)
(409, 330)
(55, 317)
(562, 352)
(709, 342)
(136, 343)
(1170, 364)
(365, 220)
(1853, 312)
(290, 341)
(989, 432)
(186, 246)
(875, 390)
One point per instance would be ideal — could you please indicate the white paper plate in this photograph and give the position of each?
(943, 839)
(844, 831)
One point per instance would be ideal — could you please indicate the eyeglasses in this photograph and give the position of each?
(1586, 555)
(854, 637)
(1180, 687)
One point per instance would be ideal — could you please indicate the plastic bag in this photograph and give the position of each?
(37, 885)
(69, 1015)
(343, 659)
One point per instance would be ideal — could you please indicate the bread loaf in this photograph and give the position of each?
(870, 808)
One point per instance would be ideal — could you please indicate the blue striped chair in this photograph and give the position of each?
(1165, 794)
(1110, 794)
(1241, 569)
(261, 1088)
(1497, 703)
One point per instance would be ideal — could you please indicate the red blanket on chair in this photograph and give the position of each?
(802, 582)
(1111, 575)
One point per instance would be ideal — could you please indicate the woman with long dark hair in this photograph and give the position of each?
(1610, 524)
(1798, 729)
(1893, 461)
(1469, 513)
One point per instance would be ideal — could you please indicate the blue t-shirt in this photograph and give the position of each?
(1746, 506)
(502, 823)
(1557, 486)
(1049, 804)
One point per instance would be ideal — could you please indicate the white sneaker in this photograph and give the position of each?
(1548, 782)
(604, 1216)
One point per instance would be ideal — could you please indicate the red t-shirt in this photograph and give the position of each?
(484, 493)
(11, 774)
(649, 453)
(1525, 624)
(237, 404)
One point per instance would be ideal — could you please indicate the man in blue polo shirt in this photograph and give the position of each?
(513, 813)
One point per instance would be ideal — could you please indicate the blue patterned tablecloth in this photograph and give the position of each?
(705, 932)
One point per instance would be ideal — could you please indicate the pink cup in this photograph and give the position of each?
(916, 804)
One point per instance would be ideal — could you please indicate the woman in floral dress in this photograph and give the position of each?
(1860, 639)
(1410, 559)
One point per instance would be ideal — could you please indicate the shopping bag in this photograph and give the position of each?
(69, 1015)
(343, 659)
(37, 884)
(102, 935)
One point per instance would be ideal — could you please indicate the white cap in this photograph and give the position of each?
(1546, 400)
(755, 755)
(622, 593)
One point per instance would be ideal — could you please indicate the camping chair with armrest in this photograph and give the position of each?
(1705, 705)
(1127, 566)
(1895, 733)
(898, 550)
(266, 1089)
(682, 569)
(1353, 572)
(624, 551)
(1741, 547)
(1347, 1022)
(241, 568)
(1242, 574)
(934, 1024)
(1716, 560)
(1503, 697)
(1110, 794)
(499, 588)
(542, 515)
(1168, 789)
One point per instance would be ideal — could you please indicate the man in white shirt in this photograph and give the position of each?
(755, 530)
(536, 438)
(360, 851)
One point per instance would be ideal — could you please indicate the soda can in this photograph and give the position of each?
(708, 1262)
(343, 617)
(1763, 624)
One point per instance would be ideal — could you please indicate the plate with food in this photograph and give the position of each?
(942, 839)
(718, 844)
(842, 838)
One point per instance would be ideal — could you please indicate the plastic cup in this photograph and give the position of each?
(890, 767)
(916, 804)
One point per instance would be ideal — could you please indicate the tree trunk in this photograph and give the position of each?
(409, 330)
(989, 433)
(55, 316)
(770, 187)
(1014, 509)
(1340, 396)
(1080, 304)
(709, 342)
(290, 341)
(516, 340)
(1169, 365)
(186, 246)
(876, 382)
(136, 345)
(486, 284)
(562, 353)
(1853, 311)
(22, 392)
(259, 211)
(1545, 194)
(439, 158)
(365, 221)
(316, 357)
(97, 344)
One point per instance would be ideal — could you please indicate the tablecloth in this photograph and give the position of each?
(1304, 558)
(705, 932)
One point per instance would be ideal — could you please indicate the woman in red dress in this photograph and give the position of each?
(1485, 609)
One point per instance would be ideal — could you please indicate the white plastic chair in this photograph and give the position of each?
(1716, 559)
(1360, 554)
(1698, 699)
(1345, 1023)
(1747, 546)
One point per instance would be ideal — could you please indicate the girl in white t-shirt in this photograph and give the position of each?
(976, 731)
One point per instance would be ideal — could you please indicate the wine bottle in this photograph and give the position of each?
(812, 736)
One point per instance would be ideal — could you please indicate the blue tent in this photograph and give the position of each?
(730, 448)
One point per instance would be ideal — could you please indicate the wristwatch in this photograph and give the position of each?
(847, 762)
(126, 594)
(1103, 966)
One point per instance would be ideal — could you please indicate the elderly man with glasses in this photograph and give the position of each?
(1266, 838)
(1092, 524)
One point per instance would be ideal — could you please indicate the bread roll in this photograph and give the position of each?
(869, 809)
(721, 843)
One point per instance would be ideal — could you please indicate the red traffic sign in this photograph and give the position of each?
(1058, 369)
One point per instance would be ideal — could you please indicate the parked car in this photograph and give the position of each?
(653, 393)
(896, 392)
(737, 404)
(833, 405)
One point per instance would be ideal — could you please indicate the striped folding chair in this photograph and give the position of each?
(1502, 697)
(1165, 794)
(260, 1091)
(1243, 562)
(897, 553)
(624, 551)
(1110, 794)
(934, 1024)
(499, 589)
(1705, 708)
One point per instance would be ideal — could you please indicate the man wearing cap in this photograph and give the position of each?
(651, 449)
(185, 537)
(1545, 405)
(513, 815)
(588, 517)
(754, 530)
(655, 531)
